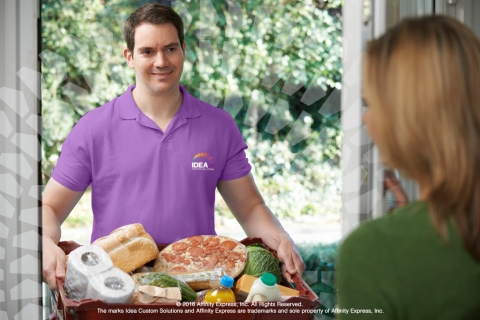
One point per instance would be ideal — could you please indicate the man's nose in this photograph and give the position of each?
(160, 60)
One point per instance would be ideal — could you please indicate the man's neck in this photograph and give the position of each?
(158, 107)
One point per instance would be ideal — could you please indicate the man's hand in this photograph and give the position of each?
(292, 260)
(57, 202)
(53, 263)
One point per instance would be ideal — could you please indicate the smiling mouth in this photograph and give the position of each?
(162, 74)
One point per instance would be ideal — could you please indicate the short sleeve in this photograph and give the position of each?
(365, 277)
(236, 165)
(73, 169)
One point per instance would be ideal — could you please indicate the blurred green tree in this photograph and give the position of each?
(83, 65)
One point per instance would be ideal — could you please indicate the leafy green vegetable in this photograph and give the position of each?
(256, 245)
(259, 261)
(163, 280)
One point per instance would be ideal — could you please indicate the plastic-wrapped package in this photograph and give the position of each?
(156, 295)
(129, 247)
(163, 280)
(201, 280)
(82, 263)
(111, 286)
(91, 274)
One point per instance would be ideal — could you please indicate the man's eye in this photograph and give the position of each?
(171, 49)
(147, 51)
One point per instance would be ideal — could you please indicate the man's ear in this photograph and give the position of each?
(128, 57)
(184, 47)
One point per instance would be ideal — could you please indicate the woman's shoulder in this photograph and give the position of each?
(413, 215)
(409, 222)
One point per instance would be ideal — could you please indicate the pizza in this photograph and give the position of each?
(202, 253)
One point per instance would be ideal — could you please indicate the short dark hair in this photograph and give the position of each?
(152, 13)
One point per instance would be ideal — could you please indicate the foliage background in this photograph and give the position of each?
(275, 68)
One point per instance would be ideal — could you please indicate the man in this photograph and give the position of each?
(155, 155)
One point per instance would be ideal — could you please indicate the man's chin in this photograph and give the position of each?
(164, 89)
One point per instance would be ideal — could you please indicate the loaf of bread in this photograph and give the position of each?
(129, 247)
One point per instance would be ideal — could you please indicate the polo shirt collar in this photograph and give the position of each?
(129, 109)
(189, 108)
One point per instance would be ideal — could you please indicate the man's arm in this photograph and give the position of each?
(247, 205)
(57, 203)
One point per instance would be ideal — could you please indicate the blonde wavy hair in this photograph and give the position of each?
(422, 79)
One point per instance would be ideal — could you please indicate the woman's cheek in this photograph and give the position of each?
(369, 122)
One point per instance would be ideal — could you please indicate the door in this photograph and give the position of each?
(467, 11)
(363, 196)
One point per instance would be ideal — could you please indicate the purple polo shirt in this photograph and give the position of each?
(163, 180)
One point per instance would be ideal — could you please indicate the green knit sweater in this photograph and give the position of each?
(398, 267)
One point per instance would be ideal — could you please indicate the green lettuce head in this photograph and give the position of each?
(259, 261)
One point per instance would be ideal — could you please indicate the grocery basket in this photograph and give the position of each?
(302, 307)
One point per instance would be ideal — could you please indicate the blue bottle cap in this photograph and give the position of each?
(226, 281)
(268, 279)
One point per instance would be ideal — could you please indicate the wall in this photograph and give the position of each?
(20, 257)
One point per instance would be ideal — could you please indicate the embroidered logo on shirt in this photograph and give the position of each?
(202, 161)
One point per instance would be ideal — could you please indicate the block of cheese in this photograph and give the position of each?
(129, 247)
(244, 284)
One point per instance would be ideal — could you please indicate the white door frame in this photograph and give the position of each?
(20, 245)
(362, 172)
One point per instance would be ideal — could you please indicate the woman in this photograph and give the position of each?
(422, 261)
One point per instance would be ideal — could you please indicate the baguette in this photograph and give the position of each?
(129, 247)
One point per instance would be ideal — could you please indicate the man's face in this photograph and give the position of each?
(157, 59)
